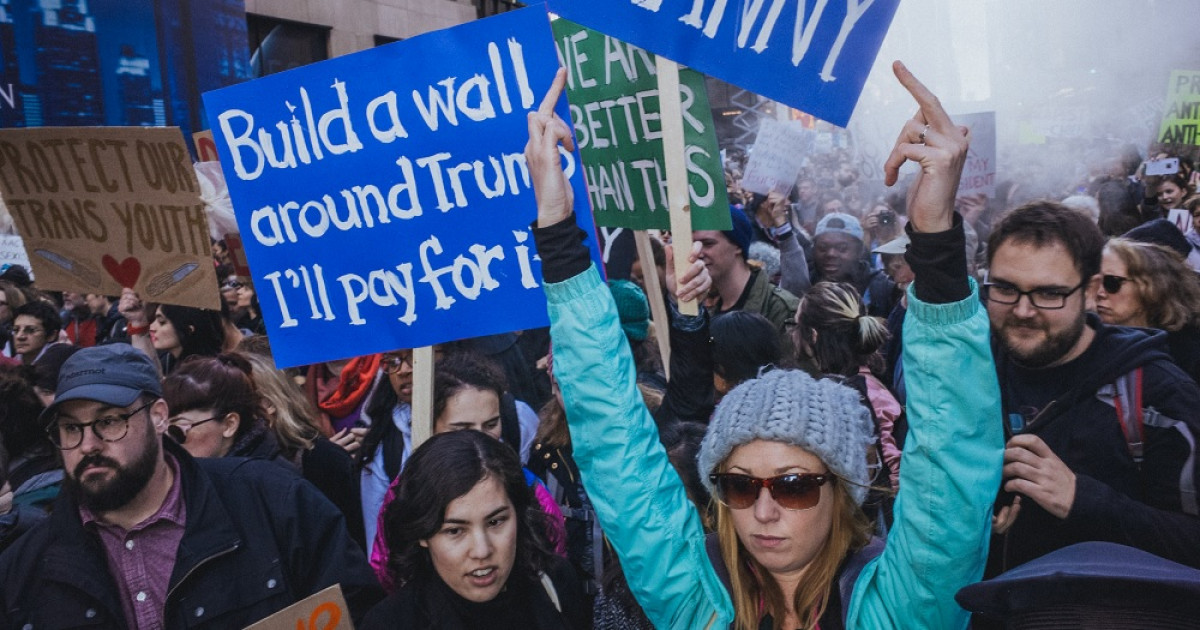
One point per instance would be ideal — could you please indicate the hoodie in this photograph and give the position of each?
(1151, 506)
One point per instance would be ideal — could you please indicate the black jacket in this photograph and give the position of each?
(257, 539)
(1152, 506)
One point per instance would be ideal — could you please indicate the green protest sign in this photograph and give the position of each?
(1181, 118)
(613, 92)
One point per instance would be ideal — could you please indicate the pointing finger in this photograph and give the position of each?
(931, 107)
(553, 94)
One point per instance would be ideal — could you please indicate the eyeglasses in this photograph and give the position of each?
(1045, 299)
(792, 491)
(232, 284)
(1112, 284)
(28, 330)
(393, 363)
(109, 428)
(179, 430)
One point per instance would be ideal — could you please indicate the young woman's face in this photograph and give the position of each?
(783, 541)
(1169, 194)
(1124, 307)
(245, 294)
(163, 334)
(476, 547)
(470, 408)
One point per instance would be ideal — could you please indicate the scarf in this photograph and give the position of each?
(339, 396)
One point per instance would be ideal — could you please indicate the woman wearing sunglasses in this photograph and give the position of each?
(216, 411)
(784, 454)
(1150, 286)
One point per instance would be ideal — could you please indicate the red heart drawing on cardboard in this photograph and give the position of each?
(126, 272)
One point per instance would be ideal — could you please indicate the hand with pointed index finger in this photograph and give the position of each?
(932, 140)
(551, 188)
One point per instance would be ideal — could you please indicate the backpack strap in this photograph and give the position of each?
(1131, 412)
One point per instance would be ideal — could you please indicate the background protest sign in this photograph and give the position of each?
(615, 109)
(383, 198)
(979, 172)
(777, 156)
(1181, 119)
(12, 252)
(102, 208)
(814, 60)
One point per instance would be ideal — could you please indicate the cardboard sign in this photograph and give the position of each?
(383, 198)
(812, 56)
(1181, 119)
(206, 147)
(102, 208)
(326, 610)
(979, 172)
(12, 252)
(615, 109)
(777, 157)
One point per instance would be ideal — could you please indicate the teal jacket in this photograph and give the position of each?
(952, 464)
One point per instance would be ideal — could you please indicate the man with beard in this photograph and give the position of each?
(145, 536)
(1093, 454)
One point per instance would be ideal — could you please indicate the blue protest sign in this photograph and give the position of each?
(383, 198)
(814, 56)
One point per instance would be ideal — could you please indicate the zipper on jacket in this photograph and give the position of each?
(224, 552)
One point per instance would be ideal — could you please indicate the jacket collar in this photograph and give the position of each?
(76, 557)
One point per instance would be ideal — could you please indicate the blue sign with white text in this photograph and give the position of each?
(812, 55)
(383, 197)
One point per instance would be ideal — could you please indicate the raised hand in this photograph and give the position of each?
(551, 188)
(932, 140)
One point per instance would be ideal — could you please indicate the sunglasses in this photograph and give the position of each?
(1112, 284)
(792, 491)
(178, 430)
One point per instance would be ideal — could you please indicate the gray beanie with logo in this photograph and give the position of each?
(822, 417)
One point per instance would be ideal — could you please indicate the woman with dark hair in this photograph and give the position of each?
(466, 545)
(174, 334)
(467, 394)
(743, 343)
(216, 411)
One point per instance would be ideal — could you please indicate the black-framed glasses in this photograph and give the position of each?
(179, 430)
(793, 491)
(1112, 284)
(393, 363)
(1043, 298)
(110, 428)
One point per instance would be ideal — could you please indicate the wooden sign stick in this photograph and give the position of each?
(654, 294)
(678, 197)
(422, 397)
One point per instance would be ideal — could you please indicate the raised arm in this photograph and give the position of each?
(640, 500)
(953, 455)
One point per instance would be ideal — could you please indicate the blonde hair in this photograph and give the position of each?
(753, 589)
(1169, 290)
(294, 420)
(836, 331)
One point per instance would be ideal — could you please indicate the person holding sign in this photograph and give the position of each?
(466, 543)
(786, 455)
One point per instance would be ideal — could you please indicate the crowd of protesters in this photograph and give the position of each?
(894, 408)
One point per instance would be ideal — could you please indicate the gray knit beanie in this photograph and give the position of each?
(820, 416)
